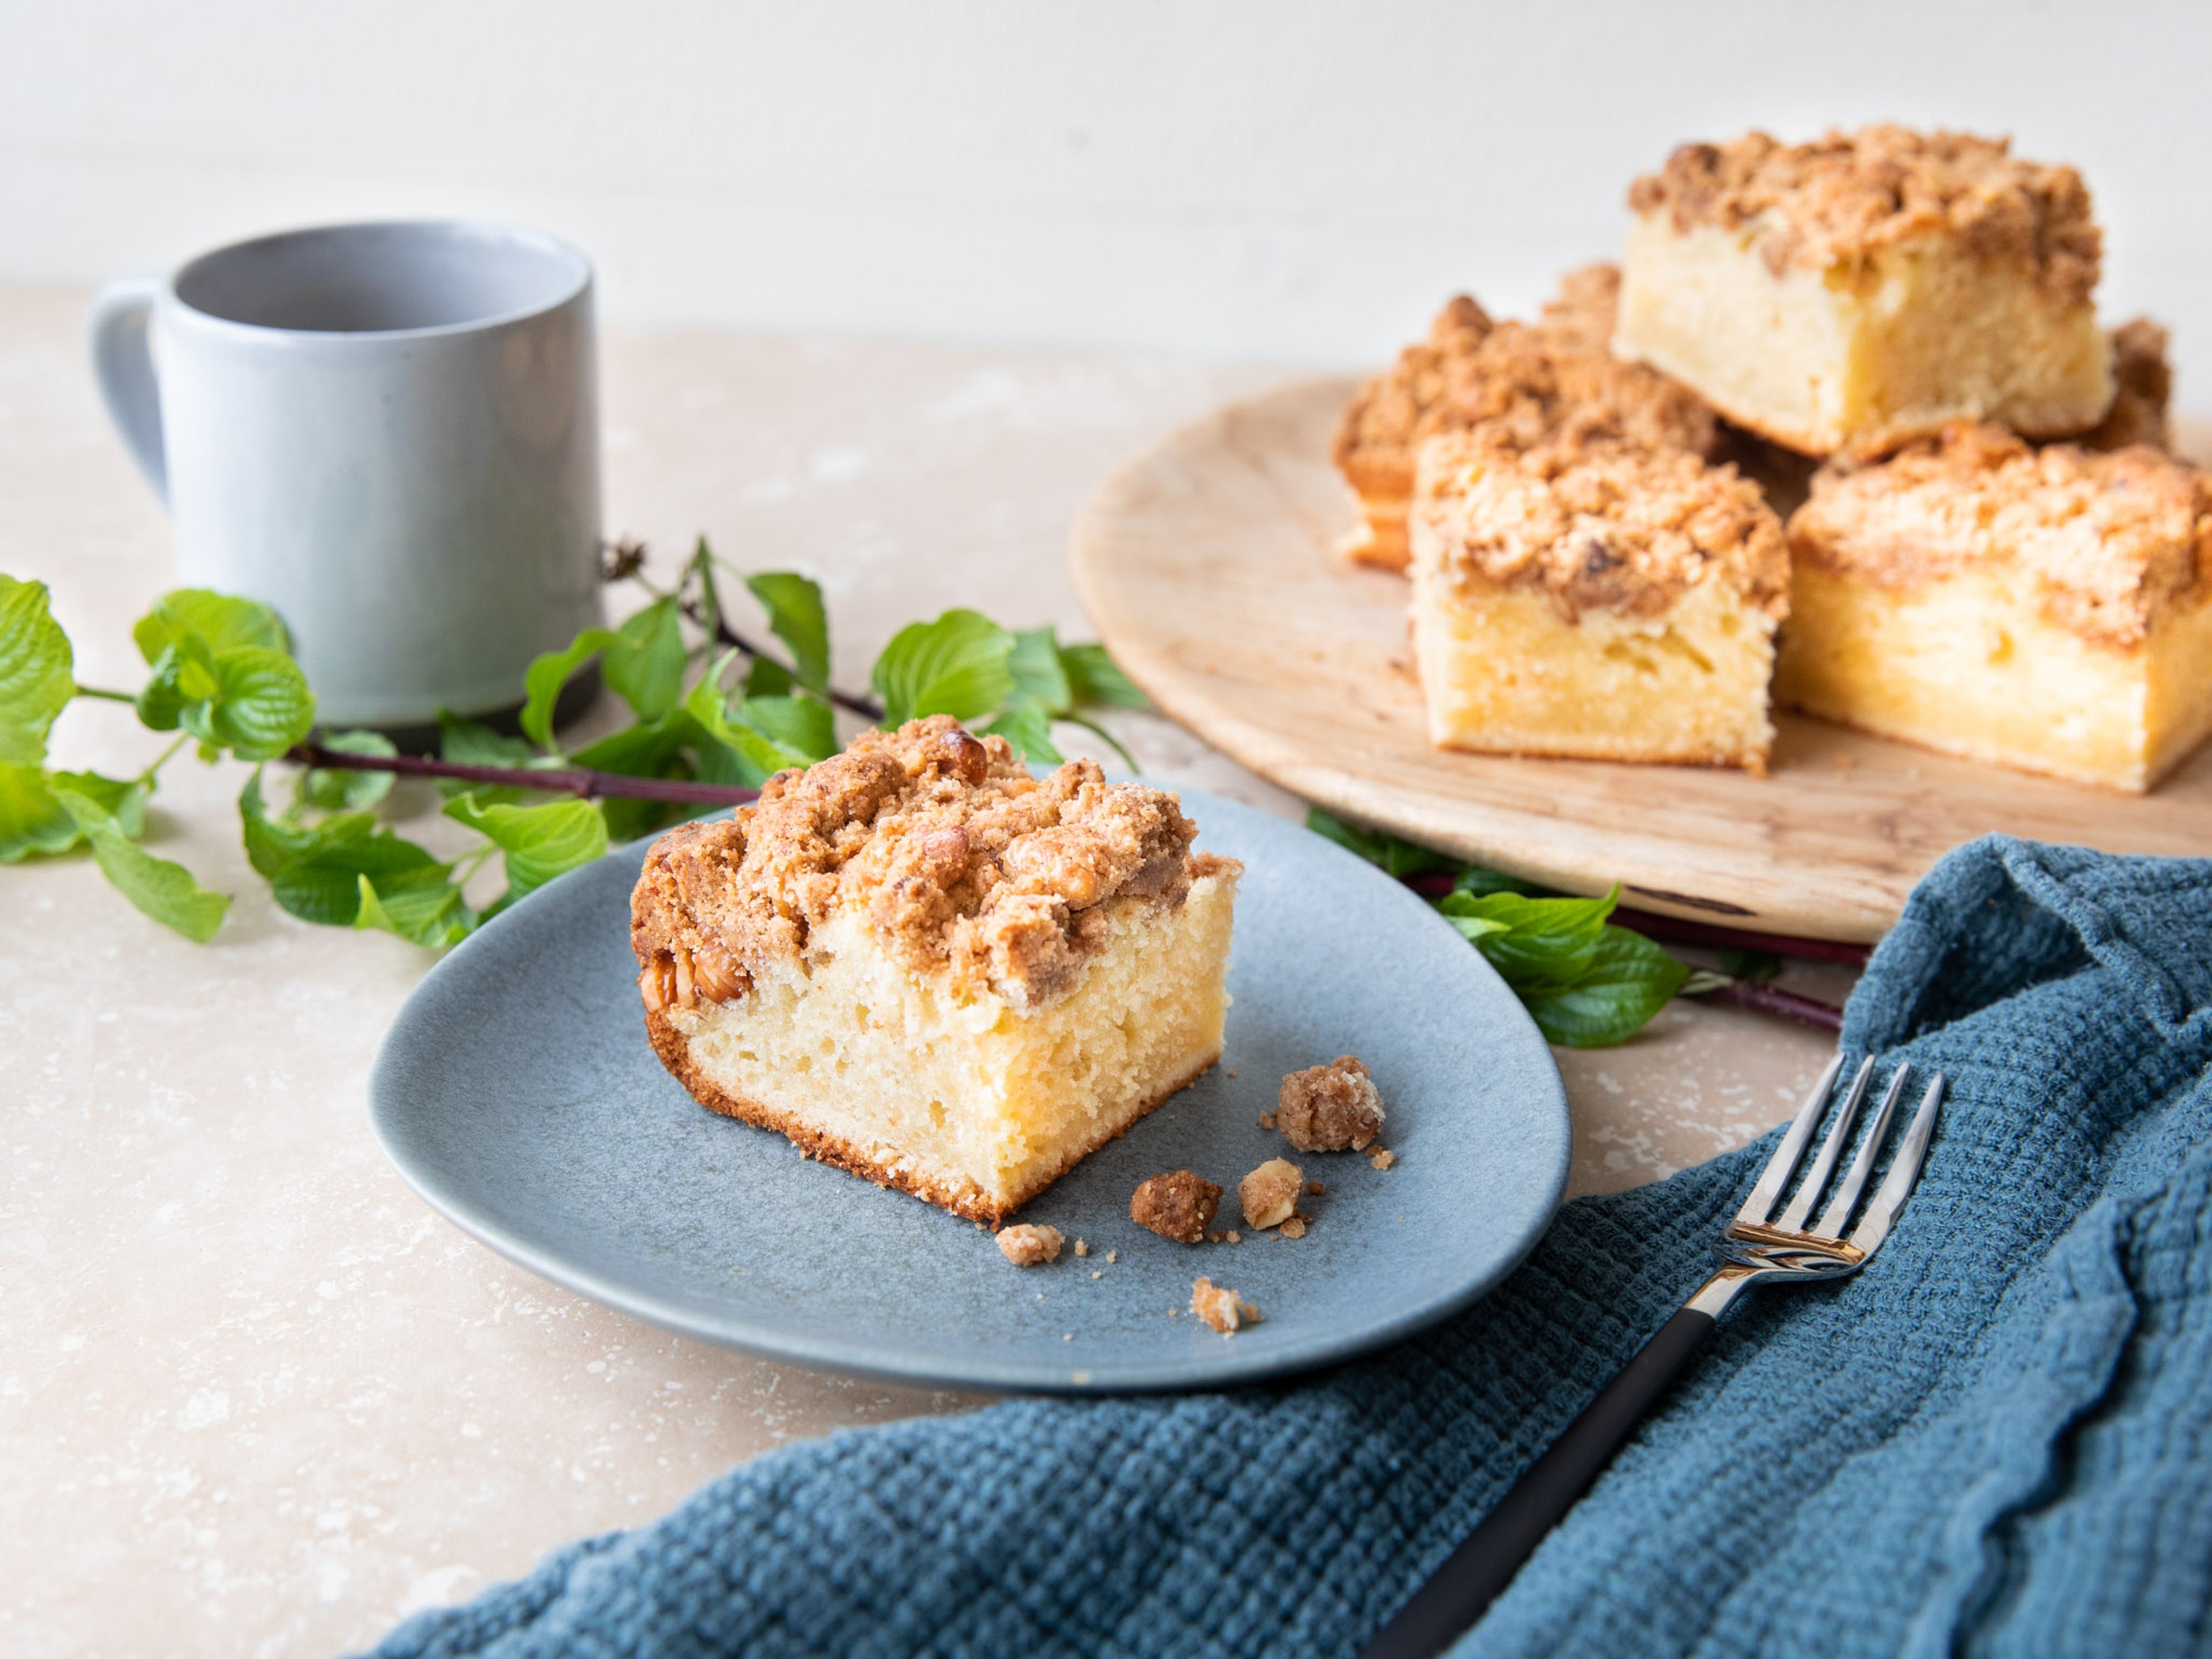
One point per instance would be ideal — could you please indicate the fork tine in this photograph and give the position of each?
(1776, 1175)
(1903, 1174)
(1832, 1148)
(1854, 1182)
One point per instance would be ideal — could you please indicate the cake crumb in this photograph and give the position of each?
(1236, 1237)
(1113, 1256)
(1295, 1227)
(1082, 1248)
(1098, 1273)
(1232, 1071)
(1382, 1159)
(1067, 1336)
(1328, 1108)
(1221, 1306)
(1029, 1247)
(1179, 1205)
(1267, 1120)
(1270, 1194)
(1216, 1237)
(1314, 1190)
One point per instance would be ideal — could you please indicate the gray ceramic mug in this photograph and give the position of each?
(389, 432)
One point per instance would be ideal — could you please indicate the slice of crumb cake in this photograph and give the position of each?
(1595, 601)
(1533, 382)
(2048, 609)
(926, 966)
(1857, 291)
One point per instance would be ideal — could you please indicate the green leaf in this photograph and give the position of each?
(647, 660)
(1480, 878)
(259, 705)
(122, 799)
(323, 886)
(1038, 675)
(766, 678)
(271, 845)
(799, 724)
(1386, 853)
(1629, 979)
(469, 742)
(420, 906)
(1027, 726)
(222, 621)
(1759, 966)
(335, 789)
(1546, 945)
(796, 616)
(548, 673)
(160, 699)
(165, 892)
(539, 842)
(757, 754)
(1095, 680)
(31, 819)
(955, 665)
(35, 682)
(650, 749)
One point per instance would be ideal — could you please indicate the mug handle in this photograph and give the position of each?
(119, 332)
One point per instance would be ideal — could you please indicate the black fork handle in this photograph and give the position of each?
(1460, 1590)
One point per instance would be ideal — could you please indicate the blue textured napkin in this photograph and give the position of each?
(1996, 1440)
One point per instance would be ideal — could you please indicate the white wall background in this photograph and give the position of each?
(1232, 178)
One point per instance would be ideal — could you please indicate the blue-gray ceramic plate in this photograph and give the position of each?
(517, 1093)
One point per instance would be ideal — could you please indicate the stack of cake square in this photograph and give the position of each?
(1995, 556)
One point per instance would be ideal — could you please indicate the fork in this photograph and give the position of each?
(1758, 1247)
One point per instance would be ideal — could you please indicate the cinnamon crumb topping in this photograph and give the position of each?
(1604, 528)
(1852, 195)
(2110, 540)
(960, 862)
(1552, 380)
(1330, 1109)
(1026, 1246)
(1179, 1205)
(1270, 1194)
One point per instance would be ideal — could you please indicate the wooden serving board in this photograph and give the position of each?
(1208, 564)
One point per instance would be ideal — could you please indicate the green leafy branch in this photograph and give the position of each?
(714, 716)
(1588, 982)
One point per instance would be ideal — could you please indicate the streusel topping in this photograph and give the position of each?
(961, 862)
(1599, 527)
(1849, 195)
(2111, 538)
(1545, 380)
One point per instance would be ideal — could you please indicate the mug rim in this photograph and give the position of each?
(579, 282)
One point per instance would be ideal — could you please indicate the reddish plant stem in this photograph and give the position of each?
(1785, 1004)
(1679, 930)
(725, 635)
(568, 780)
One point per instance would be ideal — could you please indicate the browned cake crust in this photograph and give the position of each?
(1552, 380)
(962, 1198)
(1849, 196)
(2142, 380)
(2111, 539)
(1599, 528)
(963, 865)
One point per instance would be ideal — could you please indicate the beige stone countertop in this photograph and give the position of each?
(256, 1398)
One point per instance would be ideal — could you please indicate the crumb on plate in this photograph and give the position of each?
(1328, 1108)
(1221, 1306)
(1179, 1205)
(1270, 1194)
(1026, 1246)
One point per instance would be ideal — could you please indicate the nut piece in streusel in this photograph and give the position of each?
(1270, 1194)
(925, 965)
(2047, 608)
(1026, 1246)
(1595, 601)
(1868, 287)
(1335, 1108)
(1179, 1205)
(1528, 382)
(1221, 1306)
